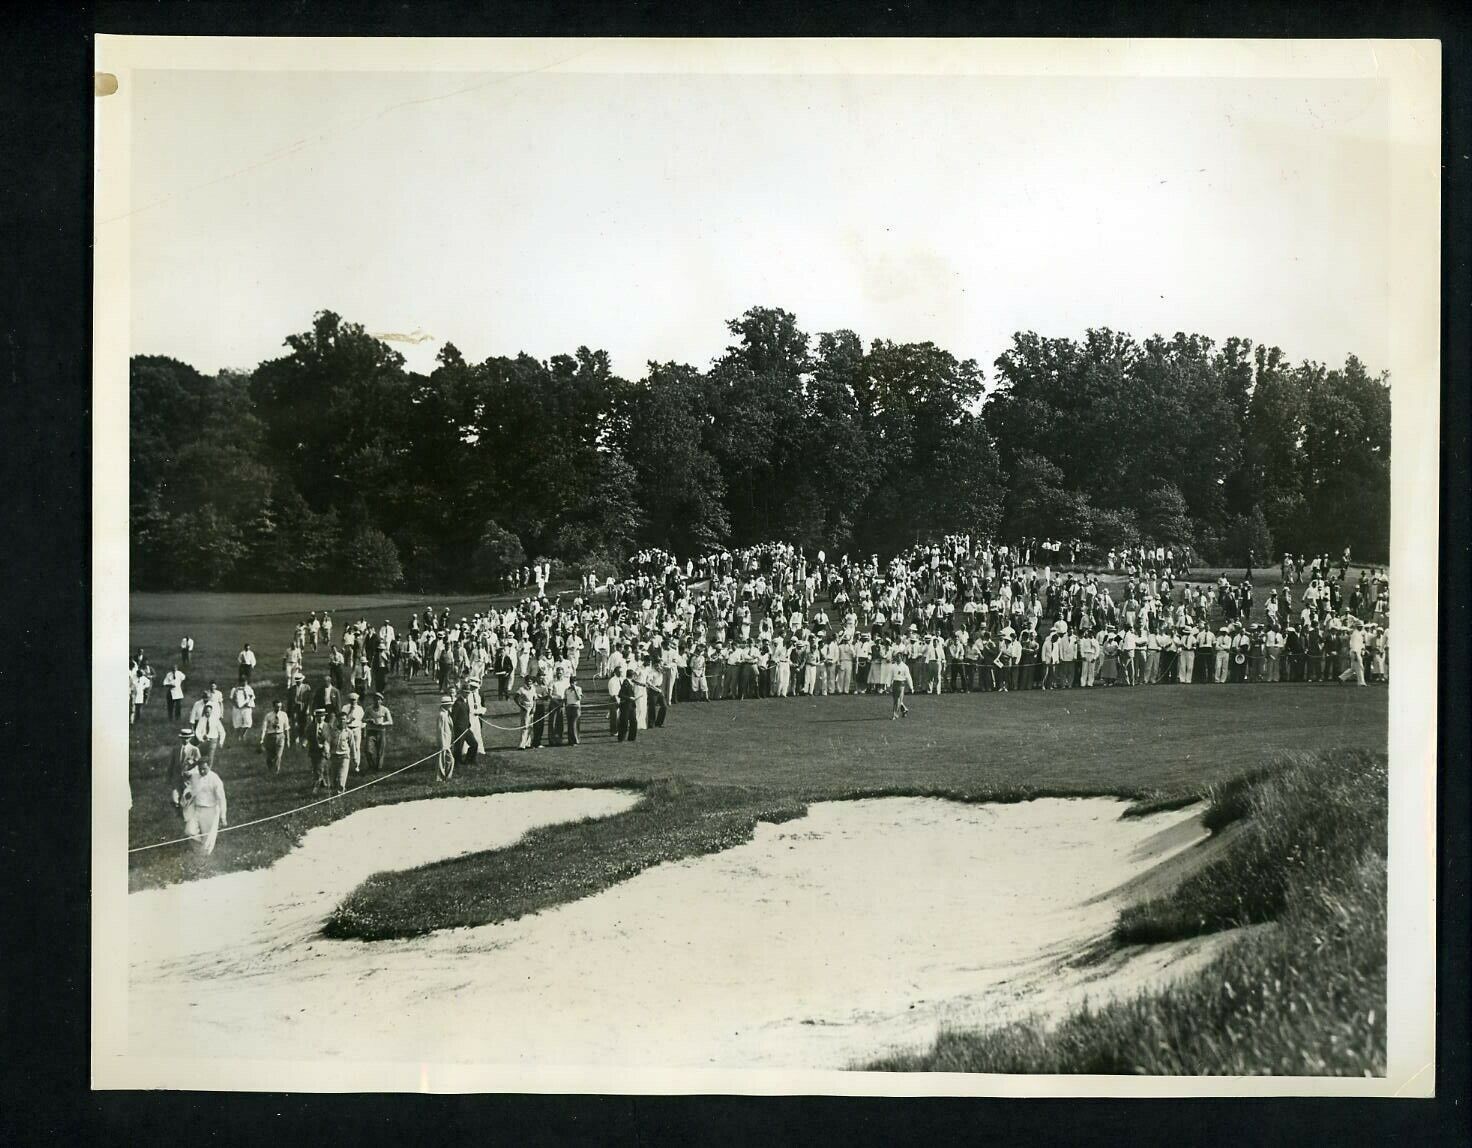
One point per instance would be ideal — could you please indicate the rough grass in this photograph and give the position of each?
(1304, 995)
(1306, 818)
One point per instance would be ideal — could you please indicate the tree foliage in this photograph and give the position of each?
(333, 465)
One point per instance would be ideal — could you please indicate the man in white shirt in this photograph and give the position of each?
(1222, 650)
(174, 683)
(209, 731)
(138, 683)
(352, 723)
(1356, 667)
(243, 699)
(247, 664)
(1089, 654)
(201, 800)
(275, 736)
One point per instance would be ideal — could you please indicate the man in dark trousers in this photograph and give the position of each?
(572, 708)
(540, 714)
(1293, 656)
(377, 720)
(1315, 646)
(628, 725)
(658, 703)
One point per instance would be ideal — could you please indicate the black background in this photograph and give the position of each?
(45, 433)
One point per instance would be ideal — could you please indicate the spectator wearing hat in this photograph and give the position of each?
(1067, 658)
(1273, 644)
(1293, 656)
(572, 708)
(185, 755)
(445, 730)
(340, 745)
(628, 723)
(275, 736)
(1355, 647)
(900, 682)
(1150, 641)
(1029, 662)
(700, 691)
(1128, 648)
(475, 708)
(1314, 645)
(378, 719)
(652, 709)
(1186, 655)
(1223, 651)
(541, 709)
(299, 706)
(352, 723)
(319, 748)
(1256, 655)
(1089, 656)
(209, 731)
(200, 799)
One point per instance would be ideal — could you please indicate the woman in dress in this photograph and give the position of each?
(880, 667)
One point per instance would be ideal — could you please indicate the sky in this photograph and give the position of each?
(638, 213)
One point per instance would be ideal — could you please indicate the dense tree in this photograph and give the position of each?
(333, 466)
(660, 426)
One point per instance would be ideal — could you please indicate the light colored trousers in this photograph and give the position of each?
(202, 822)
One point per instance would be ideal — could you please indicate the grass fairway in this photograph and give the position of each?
(1160, 742)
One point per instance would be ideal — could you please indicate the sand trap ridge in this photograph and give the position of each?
(863, 927)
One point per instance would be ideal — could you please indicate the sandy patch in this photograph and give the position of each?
(862, 928)
(229, 917)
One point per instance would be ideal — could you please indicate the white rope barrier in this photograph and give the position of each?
(301, 808)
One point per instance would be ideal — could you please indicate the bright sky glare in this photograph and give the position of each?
(637, 213)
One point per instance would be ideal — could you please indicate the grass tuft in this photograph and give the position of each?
(557, 863)
(1305, 817)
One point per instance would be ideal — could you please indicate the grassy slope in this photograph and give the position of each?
(1303, 996)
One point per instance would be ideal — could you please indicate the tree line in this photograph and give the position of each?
(334, 466)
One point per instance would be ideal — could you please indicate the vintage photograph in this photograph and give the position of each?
(823, 567)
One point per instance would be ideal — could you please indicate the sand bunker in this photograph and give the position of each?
(863, 928)
(230, 917)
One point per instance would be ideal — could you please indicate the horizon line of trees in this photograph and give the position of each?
(336, 467)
